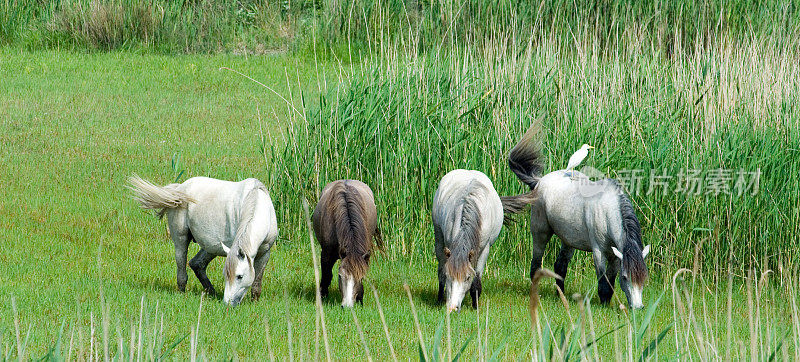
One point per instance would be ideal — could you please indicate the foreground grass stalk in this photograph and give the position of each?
(361, 335)
(318, 295)
(416, 322)
(20, 348)
(383, 321)
(269, 341)
(195, 334)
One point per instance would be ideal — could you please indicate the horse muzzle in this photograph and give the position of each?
(235, 300)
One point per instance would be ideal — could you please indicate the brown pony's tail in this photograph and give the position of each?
(515, 204)
(525, 159)
(378, 236)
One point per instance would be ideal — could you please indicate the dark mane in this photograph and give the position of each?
(632, 258)
(464, 249)
(350, 227)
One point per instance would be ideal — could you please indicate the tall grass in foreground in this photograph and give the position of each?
(705, 139)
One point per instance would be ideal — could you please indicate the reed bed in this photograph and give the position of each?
(705, 145)
(334, 27)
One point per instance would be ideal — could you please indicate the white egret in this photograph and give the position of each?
(578, 157)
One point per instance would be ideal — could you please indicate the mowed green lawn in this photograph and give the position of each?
(74, 126)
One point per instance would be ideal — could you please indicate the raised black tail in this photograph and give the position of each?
(525, 159)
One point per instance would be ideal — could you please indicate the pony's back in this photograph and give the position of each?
(466, 202)
(346, 214)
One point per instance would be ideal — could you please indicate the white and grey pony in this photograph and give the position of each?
(591, 216)
(467, 217)
(232, 219)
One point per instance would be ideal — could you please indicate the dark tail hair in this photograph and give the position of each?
(378, 236)
(351, 229)
(525, 159)
(515, 204)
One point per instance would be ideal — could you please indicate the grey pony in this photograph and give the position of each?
(597, 217)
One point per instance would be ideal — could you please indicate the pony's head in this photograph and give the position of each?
(352, 269)
(239, 275)
(459, 275)
(633, 272)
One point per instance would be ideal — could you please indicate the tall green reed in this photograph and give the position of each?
(656, 113)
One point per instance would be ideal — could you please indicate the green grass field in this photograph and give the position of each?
(396, 93)
(76, 125)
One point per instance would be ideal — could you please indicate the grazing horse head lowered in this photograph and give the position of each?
(239, 275)
(593, 216)
(345, 222)
(232, 219)
(467, 218)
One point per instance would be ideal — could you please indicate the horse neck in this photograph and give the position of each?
(245, 242)
(244, 238)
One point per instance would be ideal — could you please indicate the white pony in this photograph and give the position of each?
(232, 219)
(467, 218)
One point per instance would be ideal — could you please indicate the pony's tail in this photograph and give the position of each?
(154, 197)
(525, 159)
(515, 204)
(378, 236)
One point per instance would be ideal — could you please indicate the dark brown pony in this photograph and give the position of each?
(345, 221)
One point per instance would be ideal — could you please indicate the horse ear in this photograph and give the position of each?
(616, 252)
(645, 251)
(446, 252)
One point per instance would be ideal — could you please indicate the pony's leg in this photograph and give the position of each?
(562, 262)
(181, 236)
(605, 283)
(328, 257)
(604, 288)
(540, 240)
(475, 290)
(259, 264)
(439, 243)
(199, 264)
(442, 279)
(541, 232)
